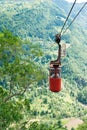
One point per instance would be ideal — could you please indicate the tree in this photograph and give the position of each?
(82, 96)
(17, 72)
(10, 111)
(60, 124)
(82, 126)
(72, 128)
(18, 68)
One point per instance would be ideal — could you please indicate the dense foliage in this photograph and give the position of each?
(37, 126)
(82, 96)
(18, 72)
(83, 126)
(24, 70)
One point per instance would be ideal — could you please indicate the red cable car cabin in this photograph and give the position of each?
(55, 71)
(55, 78)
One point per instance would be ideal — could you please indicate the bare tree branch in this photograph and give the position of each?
(15, 94)
(19, 93)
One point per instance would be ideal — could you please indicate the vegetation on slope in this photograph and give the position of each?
(17, 73)
(20, 62)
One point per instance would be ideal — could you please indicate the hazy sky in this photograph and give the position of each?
(79, 1)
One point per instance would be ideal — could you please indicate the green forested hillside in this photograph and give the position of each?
(25, 55)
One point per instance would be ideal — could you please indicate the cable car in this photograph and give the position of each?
(55, 78)
(55, 81)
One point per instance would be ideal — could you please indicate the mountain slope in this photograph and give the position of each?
(28, 21)
(40, 21)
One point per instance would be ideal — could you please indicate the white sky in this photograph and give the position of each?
(78, 1)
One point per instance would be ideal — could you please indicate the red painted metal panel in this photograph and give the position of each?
(55, 84)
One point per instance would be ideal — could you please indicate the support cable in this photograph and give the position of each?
(67, 17)
(75, 17)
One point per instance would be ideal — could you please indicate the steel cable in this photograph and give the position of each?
(75, 17)
(67, 17)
